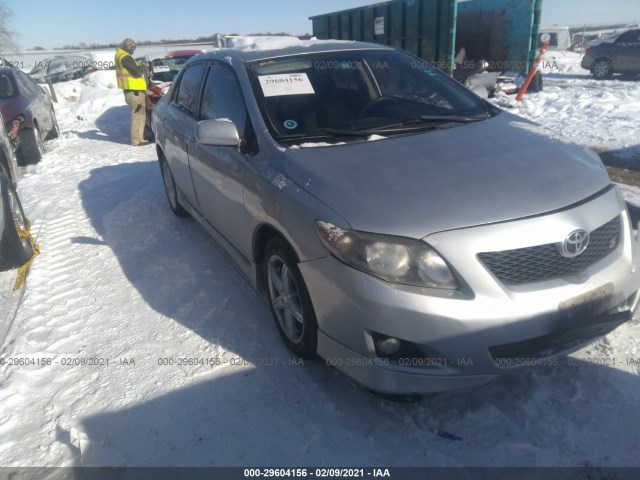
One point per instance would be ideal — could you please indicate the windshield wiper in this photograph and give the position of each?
(445, 118)
(423, 120)
(321, 133)
(413, 124)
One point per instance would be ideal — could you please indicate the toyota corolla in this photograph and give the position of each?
(408, 232)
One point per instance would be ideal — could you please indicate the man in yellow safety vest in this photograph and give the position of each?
(130, 78)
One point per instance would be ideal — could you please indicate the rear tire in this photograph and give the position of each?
(14, 251)
(602, 69)
(55, 131)
(31, 147)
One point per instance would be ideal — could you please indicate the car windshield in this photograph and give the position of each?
(40, 68)
(357, 93)
(165, 69)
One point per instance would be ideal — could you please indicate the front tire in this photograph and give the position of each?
(31, 149)
(289, 300)
(55, 130)
(171, 190)
(602, 69)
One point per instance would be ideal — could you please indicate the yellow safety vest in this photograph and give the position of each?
(126, 80)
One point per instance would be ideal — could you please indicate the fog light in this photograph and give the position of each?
(407, 354)
(387, 346)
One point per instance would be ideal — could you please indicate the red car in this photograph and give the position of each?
(164, 68)
(28, 114)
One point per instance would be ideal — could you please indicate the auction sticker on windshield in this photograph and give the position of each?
(285, 84)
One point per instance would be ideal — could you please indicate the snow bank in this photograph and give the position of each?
(602, 115)
(559, 61)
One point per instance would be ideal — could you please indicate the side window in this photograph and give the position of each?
(58, 65)
(25, 83)
(6, 87)
(189, 88)
(629, 37)
(553, 39)
(222, 98)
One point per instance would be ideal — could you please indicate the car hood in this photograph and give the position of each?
(499, 169)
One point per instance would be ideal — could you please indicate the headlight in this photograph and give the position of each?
(394, 259)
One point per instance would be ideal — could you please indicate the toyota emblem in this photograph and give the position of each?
(575, 243)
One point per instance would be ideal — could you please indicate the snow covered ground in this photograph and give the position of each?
(602, 115)
(138, 344)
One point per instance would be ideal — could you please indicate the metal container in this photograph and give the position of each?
(425, 28)
(503, 32)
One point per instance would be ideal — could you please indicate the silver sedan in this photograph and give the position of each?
(408, 232)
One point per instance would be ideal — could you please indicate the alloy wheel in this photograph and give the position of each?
(285, 299)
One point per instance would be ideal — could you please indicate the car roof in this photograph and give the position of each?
(182, 53)
(304, 47)
(161, 54)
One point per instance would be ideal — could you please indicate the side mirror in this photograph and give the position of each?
(219, 132)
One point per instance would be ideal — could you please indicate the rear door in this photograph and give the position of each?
(218, 172)
(627, 48)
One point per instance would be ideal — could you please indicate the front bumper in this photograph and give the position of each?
(484, 330)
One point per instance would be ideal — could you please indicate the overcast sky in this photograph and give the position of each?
(50, 24)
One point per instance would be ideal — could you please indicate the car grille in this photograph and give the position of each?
(544, 262)
(556, 342)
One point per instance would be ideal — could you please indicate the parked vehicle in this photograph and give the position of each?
(62, 68)
(28, 114)
(8, 162)
(413, 235)
(14, 250)
(164, 68)
(619, 53)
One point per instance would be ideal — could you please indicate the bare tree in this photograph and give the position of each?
(7, 36)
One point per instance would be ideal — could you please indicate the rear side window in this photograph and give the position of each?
(189, 88)
(6, 87)
(629, 37)
(26, 83)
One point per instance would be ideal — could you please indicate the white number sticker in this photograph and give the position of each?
(285, 84)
